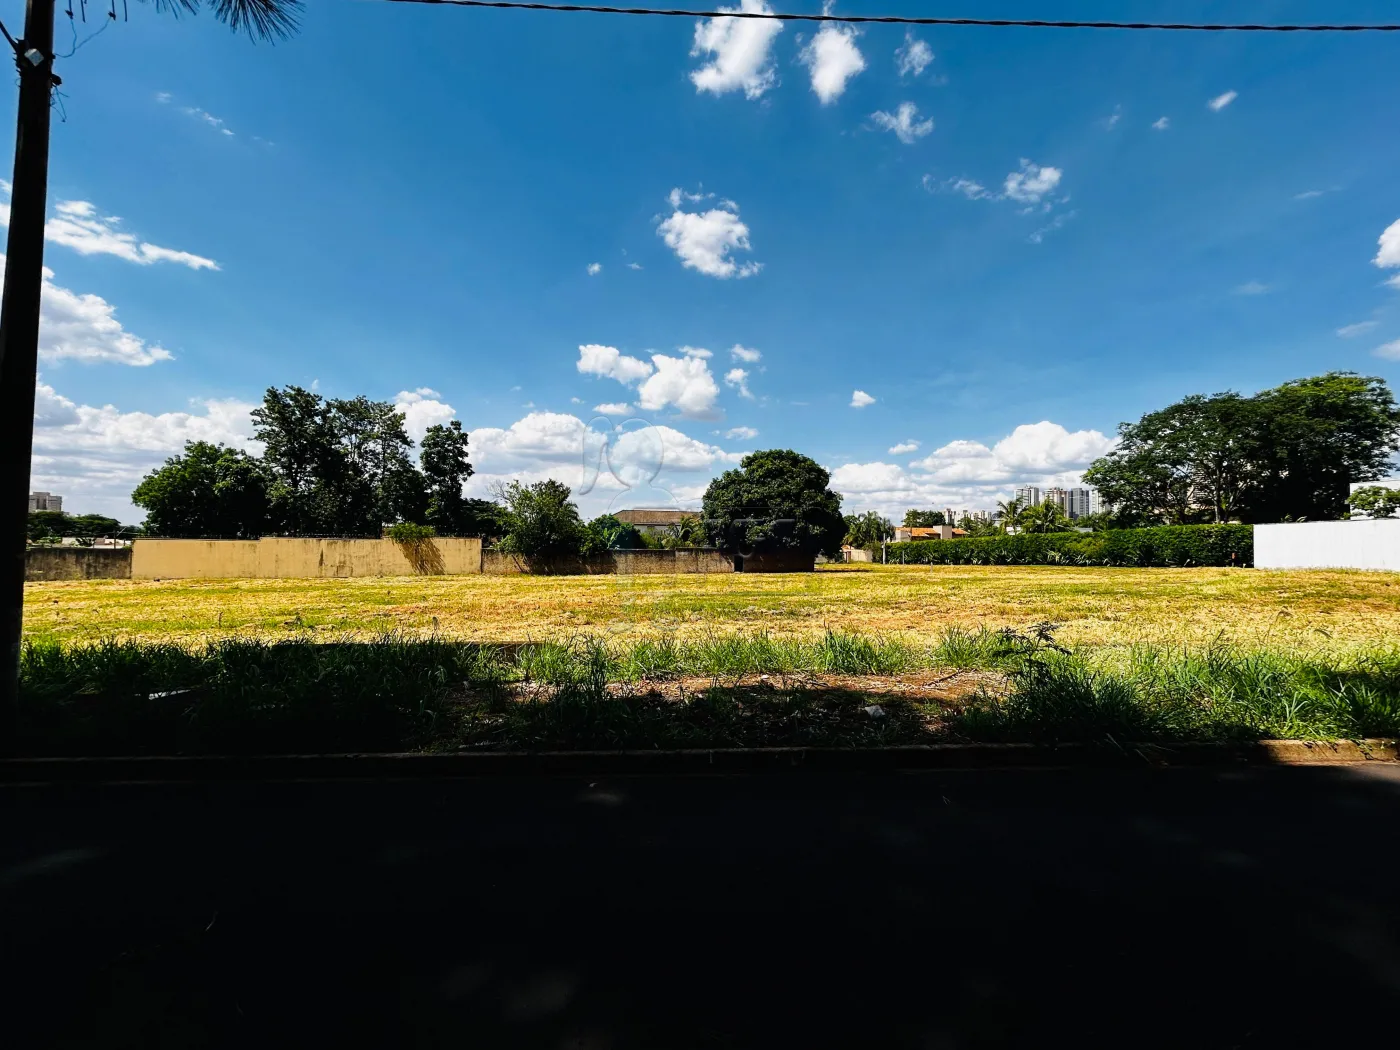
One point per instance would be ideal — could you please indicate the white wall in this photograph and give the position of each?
(1365, 544)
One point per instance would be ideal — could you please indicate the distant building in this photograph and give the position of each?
(903, 534)
(648, 520)
(950, 517)
(1029, 495)
(45, 501)
(1079, 502)
(1058, 497)
(1096, 503)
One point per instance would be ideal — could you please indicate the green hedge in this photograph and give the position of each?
(1166, 545)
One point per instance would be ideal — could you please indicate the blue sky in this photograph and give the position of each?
(406, 202)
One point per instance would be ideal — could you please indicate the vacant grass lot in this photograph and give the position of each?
(1094, 606)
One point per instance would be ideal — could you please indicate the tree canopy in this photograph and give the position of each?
(776, 499)
(868, 529)
(924, 519)
(541, 521)
(1290, 452)
(329, 467)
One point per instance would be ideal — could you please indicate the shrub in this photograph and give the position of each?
(1163, 546)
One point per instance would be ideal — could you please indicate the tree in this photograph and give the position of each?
(1376, 501)
(443, 460)
(209, 490)
(976, 527)
(1009, 512)
(379, 485)
(924, 519)
(615, 534)
(777, 499)
(868, 529)
(304, 457)
(1045, 517)
(540, 520)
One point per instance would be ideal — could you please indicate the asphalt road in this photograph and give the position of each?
(1199, 908)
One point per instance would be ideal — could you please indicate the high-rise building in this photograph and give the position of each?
(1078, 502)
(1059, 497)
(45, 501)
(1096, 503)
(950, 516)
(1029, 495)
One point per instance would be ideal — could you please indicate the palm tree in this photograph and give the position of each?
(260, 19)
(1047, 517)
(1010, 511)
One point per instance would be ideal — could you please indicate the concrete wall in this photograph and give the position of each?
(1367, 544)
(779, 561)
(77, 563)
(629, 563)
(279, 557)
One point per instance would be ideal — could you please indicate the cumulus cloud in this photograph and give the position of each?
(1347, 331)
(741, 433)
(833, 59)
(683, 383)
(1219, 102)
(594, 269)
(913, 56)
(904, 122)
(634, 266)
(1031, 183)
(704, 240)
(904, 448)
(1161, 123)
(739, 379)
(96, 456)
(746, 354)
(1251, 288)
(78, 225)
(610, 363)
(613, 408)
(1388, 351)
(970, 473)
(1389, 254)
(84, 327)
(859, 399)
(738, 52)
(421, 409)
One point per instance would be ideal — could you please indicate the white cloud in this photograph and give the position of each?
(833, 59)
(1221, 101)
(613, 408)
(96, 456)
(1388, 351)
(741, 433)
(913, 56)
(1251, 288)
(696, 351)
(594, 269)
(204, 116)
(421, 409)
(1050, 227)
(746, 354)
(904, 123)
(973, 191)
(739, 379)
(84, 327)
(1111, 121)
(1393, 282)
(684, 383)
(971, 474)
(1308, 195)
(609, 362)
(1389, 241)
(1162, 123)
(1031, 183)
(859, 399)
(739, 52)
(162, 97)
(904, 448)
(1347, 331)
(704, 240)
(634, 266)
(78, 225)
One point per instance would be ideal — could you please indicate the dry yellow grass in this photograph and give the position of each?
(1098, 606)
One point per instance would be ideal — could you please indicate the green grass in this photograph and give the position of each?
(394, 693)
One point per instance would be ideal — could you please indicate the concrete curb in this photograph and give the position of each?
(204, 768)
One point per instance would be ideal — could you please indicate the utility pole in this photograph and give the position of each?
(19, 338)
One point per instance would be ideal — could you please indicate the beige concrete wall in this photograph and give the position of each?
(77, 563)
(627, 563)
(281, 557)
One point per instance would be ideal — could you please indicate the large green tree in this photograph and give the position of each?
(1288, 452)
(924, 519)
(777, 499)
(540, 520)
(443, 459)
(208, 490)
(868, 529)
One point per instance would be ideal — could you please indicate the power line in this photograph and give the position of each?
(1031, 23)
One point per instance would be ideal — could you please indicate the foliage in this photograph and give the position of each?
(337, 467)
(869, 529)
(1288, 453)
(615, 534)
(1046, 517)
(260, 19)
(51, 524)
(409, 532)
(924, 519)
(1163, 546)
(208, 490)
(540, 521)
(1376, 500)
(777, 499)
